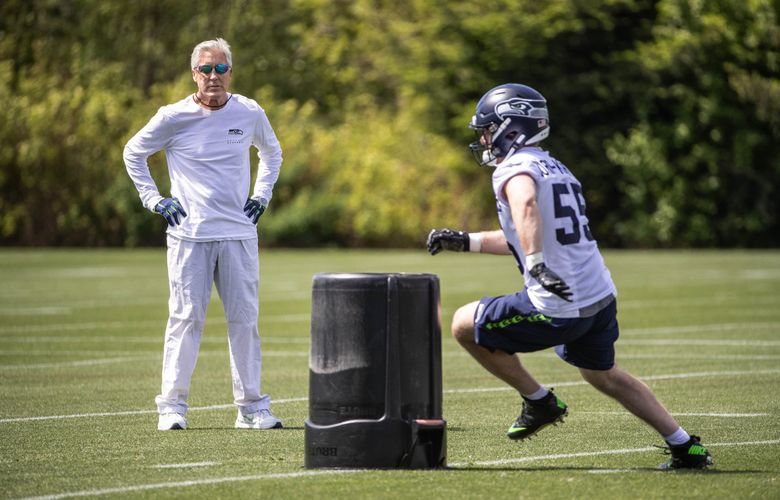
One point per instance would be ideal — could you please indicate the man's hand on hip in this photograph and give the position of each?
(254, 208)
(171, 209)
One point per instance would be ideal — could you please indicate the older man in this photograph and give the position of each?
(212, 236)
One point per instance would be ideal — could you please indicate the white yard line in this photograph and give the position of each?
(183, 466)
(125, 359)
(127, 356)
(716, 327)
(196, 482)
(211, 338)
(91, 325)
(283, 354)
(131, 412)
(325, 472)
(622, 356)
(686, 414)
(160, 324)
(671, 376)
(647, 377)
(300, 340)
(610, 471)
(722, 357)
(504, 388)
(703, 342)
(519, 460)
(157, 324)
(66, 306)
(86, 362)
(710, 374)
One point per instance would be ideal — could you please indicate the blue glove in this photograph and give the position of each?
(254, 208)
(170, 208)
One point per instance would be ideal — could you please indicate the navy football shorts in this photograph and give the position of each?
(510, 323)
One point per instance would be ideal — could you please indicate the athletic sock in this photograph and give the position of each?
(678, 437)
(539, 394)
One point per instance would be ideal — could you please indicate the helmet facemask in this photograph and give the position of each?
(482, 148)
(496, 141)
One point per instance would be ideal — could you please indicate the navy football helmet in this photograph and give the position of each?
(507, 118)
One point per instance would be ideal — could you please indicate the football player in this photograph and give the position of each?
(569, 301)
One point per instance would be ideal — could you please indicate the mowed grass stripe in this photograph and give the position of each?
(321, 472)
(196, 482)
(159, 324)
(448, 391)
(283, 354)
(641, 377)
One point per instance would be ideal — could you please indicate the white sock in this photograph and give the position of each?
(539, 394)
(679, 437)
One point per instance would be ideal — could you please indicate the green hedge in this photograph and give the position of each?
(668, 111)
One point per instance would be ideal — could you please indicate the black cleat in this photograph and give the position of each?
(537, 415)
(691, 455)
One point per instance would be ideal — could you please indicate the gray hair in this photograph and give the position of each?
(218, 44)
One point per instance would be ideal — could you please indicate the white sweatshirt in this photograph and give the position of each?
(208, 163)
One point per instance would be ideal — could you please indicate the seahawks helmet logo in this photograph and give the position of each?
(521, 107)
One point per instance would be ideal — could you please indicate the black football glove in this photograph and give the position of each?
(447, 239)
(171, 209)
(550, 281)
(254, 208)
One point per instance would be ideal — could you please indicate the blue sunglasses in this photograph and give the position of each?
(221, 69)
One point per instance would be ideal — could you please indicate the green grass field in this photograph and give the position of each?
(80, 355)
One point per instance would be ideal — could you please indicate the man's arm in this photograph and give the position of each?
(149, 140)
(270, 153)
(520, 191)
(492, 242)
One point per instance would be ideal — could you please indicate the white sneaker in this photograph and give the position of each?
(263, 419)
(171, 421)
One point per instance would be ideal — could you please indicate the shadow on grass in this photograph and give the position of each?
(233, 429)
(595, 470)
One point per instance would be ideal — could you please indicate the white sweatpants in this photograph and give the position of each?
(192, 268)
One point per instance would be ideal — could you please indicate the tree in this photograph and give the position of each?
(701, 163)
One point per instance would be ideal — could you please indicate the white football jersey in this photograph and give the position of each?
(568, 245)
(208, 162)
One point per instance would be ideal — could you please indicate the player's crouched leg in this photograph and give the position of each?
(463, 324)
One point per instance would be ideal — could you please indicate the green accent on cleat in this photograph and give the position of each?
(697, 449)
(691, 455)
(536, 415)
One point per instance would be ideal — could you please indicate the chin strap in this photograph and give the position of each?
(516, 144)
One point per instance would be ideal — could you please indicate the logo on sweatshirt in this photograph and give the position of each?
(235, 136)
